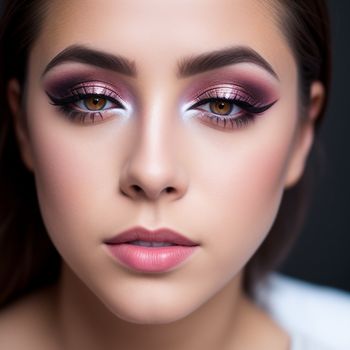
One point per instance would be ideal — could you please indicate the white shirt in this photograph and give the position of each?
(315, 317)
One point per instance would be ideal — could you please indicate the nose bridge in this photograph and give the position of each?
(153, 149)
(152, 168)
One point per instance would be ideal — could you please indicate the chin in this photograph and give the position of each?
(151, 315)
(149, 319)
(150, 312)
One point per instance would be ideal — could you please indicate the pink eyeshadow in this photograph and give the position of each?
(261, 88)
(62, 80)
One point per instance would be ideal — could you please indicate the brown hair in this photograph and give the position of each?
(28, 258)
(306, 25)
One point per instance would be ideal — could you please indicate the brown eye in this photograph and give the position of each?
(220, 107)
(95, 103)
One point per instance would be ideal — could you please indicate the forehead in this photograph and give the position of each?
(155, 33)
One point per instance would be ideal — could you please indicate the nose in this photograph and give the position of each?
(152, 170)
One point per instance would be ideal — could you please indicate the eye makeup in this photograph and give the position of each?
(88, 102)
(87, 96)
(230, 100)
(224, 99)
(228, 106)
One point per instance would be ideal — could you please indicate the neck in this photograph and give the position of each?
(224, 322)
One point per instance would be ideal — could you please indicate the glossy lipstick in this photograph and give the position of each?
(150, 251)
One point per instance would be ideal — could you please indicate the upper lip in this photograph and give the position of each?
(142, 234)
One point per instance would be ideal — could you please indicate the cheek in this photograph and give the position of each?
(244, 184)
(66, 187)
(73, 174)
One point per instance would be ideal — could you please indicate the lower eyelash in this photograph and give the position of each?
(229, 122)
(250, 108)
(65, 106)
(72, 114)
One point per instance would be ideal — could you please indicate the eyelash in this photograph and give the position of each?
(250, 108)
(68, 105)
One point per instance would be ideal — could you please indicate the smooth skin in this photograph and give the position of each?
(226, 184)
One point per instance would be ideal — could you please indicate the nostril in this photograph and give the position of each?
(136, 188)
(169, 189)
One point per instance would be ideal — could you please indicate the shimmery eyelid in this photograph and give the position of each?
(225, 91)
(60, 89)
(94, 89)
(246, 80)
(65, 98)
(250, 105)
(225, 88)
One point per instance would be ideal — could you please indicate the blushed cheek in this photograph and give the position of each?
(246, 191)
(263, 174)
(68, 175)
(64, 192)
(265, 170)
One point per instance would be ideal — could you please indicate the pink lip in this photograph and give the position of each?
(151, 259)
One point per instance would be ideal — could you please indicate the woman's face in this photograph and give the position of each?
(192, 126)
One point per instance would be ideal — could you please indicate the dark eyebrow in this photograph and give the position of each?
(83, 54)
(220, 58)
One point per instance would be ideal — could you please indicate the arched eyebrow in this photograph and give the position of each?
(185, 68)
(220, 58)
(83, 54)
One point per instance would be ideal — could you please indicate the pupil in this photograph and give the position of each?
(95, 103)
(222, 105)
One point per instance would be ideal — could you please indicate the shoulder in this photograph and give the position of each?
(25, 324)
(316, 312)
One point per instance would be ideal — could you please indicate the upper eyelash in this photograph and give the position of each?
(234, 94)
(71, 99)
(250, 106)
(80, 93)
(254, 109)
(241, 98)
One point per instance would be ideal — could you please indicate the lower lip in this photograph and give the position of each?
(150, 259)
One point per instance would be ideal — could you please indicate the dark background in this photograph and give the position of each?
(322, 253)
